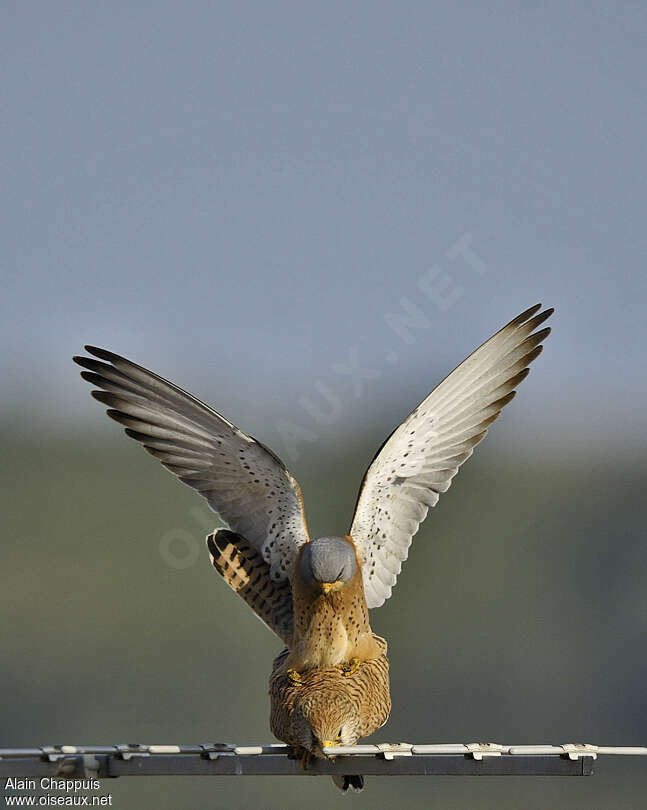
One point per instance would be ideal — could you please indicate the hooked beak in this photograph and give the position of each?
(329, 744)
(326, 587)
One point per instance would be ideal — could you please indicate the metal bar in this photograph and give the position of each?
(230, 764)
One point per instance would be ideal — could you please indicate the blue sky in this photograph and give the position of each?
(240, 195)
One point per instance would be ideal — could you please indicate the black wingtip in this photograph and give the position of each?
(86, 362)
(91, 377)
(103, 354)
(531, 314)
(542, 334)
(118, 416)
(528, 313)
(105, 397)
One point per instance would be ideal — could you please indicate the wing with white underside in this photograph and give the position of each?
(420, 458)
(241, 479)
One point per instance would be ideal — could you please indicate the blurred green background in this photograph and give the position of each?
(519, 617)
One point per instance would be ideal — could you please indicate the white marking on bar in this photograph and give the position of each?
(164, 749)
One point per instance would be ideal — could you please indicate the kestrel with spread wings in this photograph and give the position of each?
(315, 594)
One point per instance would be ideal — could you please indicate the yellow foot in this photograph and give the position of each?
(294, 676)
(351, 667)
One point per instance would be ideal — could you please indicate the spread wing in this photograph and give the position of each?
(420, 458)
(246, 572)
(242, 480)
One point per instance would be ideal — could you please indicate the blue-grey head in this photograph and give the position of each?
(328, 562)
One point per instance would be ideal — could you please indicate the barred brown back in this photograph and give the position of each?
(367, 689)
(246, 572)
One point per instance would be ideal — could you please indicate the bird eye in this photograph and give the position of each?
(339, 734)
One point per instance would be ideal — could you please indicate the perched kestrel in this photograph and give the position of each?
(315, 594)
(325, 708)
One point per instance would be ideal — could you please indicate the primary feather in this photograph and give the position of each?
(421, 457)
(241, 479)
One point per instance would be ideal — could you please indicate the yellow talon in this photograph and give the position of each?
(351, 667)
(294, 676)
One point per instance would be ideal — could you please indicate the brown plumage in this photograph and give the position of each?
(316, 696)
(315, 593)
(320, 630)
(331, 702)
(327, 707)
(333, 628)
